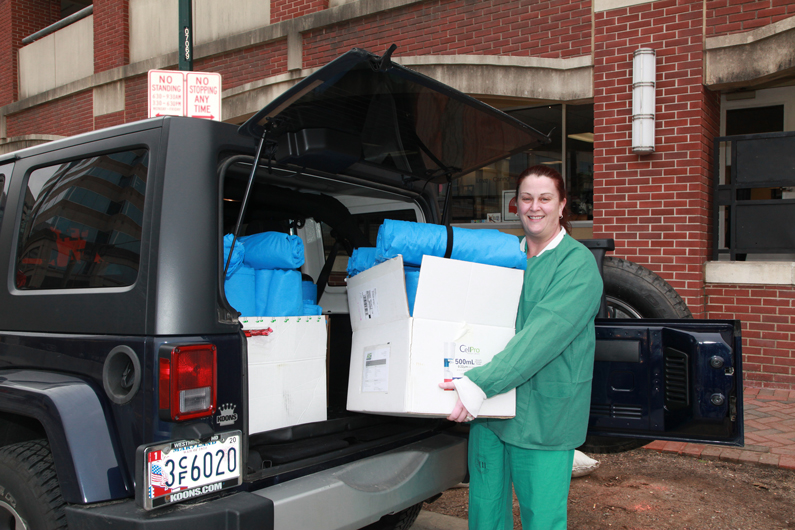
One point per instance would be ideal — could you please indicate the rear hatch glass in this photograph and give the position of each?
(360, 109)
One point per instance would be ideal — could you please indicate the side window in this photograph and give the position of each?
(5, 179)
(81, 223)
(369, 223)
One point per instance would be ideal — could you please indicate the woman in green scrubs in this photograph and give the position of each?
(550, 364)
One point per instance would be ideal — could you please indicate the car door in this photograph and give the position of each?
(366, 117)
(668, 380)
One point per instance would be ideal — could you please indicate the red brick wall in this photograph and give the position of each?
(136, 104)
(556, 29)
(243, 66)
(732, 16)
(655, 206)
(18, 19)
(8, 56)
(287, 9)
(111, 34)
(108, 120)
(768, 328)
(66, 117)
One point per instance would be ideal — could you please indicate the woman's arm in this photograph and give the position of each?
(570, 302)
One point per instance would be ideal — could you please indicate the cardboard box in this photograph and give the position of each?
(464, 312)
(286, 371)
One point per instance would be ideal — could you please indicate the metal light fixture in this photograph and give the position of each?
(644, 72)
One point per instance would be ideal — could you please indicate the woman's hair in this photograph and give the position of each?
(560, 184)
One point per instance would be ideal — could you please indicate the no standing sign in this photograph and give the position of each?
(178, 93)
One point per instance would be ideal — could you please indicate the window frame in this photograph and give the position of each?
(67, 180)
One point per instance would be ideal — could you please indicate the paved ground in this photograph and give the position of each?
(769, 421)
(769, 432)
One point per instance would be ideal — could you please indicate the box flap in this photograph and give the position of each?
(474, 293)
(378, 295)
(285, 339)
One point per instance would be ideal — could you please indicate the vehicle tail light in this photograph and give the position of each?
(187, 381)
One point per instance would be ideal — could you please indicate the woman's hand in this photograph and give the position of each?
(460, 413)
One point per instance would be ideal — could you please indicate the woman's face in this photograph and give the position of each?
(539, 208)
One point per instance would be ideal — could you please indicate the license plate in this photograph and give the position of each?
(182, 470)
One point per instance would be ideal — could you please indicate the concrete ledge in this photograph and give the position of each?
(583, 61)
(750, 58)
(750, 272)
(526, 78)
(15, 143)
(608, 5)
(749, 37)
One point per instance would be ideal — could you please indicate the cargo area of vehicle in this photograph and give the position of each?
(344, 215)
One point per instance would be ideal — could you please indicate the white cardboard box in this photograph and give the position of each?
(286, 371)
(463, 311)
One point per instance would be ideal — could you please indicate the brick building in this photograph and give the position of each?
(724, 68)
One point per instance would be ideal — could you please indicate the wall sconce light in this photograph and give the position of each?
(644, 72)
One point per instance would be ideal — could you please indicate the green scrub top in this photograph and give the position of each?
(550, 359)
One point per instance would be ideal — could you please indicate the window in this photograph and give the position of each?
(81, 223)
(579, 161)
(754, 190)
(755, 120)
(5, 179)
(368, 223)
(485, 195)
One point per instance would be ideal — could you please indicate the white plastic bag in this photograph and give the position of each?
(583, 464)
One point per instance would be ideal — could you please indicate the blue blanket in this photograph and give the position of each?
(237, 255)
(362, 259)
(278, 293)
(273, 250)
(239, 289)
(413, 240)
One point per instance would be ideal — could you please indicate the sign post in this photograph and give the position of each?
(185, 35)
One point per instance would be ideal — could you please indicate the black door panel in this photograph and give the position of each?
(668, 380)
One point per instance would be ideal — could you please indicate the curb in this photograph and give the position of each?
(436, 521)
(726, 454)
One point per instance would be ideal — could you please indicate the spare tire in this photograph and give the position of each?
(633, 291)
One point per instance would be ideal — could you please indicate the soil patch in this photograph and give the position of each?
(646, 490)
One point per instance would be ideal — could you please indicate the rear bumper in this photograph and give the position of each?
(235, 512)
(360, 493)
(345, 497)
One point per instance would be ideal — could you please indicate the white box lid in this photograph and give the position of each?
(378, 295)
(461, 291)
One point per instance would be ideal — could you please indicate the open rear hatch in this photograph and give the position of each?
(367, 116)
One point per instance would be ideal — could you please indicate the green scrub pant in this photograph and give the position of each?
(540, 478)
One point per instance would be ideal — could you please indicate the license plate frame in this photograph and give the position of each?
(167, 471)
